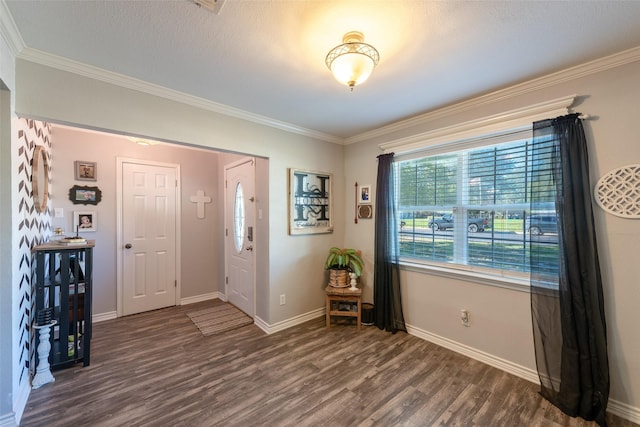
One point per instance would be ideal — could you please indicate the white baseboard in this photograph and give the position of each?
(8, 420)
(491, 360)
(110, 315)
(19, 404)
(261, 324)
(624, 410)
(285, 324)
(200, 298)
(267, 328)
(21, 400)
(101, 317)
(614, 407)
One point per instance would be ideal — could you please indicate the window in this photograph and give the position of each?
(470, 209)
(238, 218)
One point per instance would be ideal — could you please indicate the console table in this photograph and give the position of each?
(344, 302)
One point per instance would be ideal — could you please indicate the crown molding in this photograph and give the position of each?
(9, 30)
(572, 73)
(65, 64)
(16, 43)
(460, 135)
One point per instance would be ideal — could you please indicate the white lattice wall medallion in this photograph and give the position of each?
(618, 192)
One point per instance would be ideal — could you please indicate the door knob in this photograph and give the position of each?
(128, 246)
(249, 248)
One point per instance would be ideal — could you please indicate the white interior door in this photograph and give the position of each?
(148, 226)
(240, 234)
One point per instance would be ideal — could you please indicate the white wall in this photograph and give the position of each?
(500, 318)
(296, 262)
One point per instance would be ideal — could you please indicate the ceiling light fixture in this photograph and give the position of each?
(142, 141)
(353, 61)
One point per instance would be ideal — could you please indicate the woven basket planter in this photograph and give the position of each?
(338, 278)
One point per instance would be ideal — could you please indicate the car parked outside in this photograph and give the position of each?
(541, 224)
(446, 222)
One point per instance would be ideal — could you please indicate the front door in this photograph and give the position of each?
(148, 226)
(240, 234)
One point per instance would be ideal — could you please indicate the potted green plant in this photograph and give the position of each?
(340, 262)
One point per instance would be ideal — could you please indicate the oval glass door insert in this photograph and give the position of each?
(238, 218)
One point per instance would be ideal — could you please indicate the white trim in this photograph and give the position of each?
(288, 323)
(9, 30)
(101, 317)
(261, 324)
(200, 298)
(110, 315)
(65, 64)
(491, 360)
(455, 136)
(511, 283)
(8, 420)
(614, 407)
(624, 410)
(582, 70)
(22, 398)
(119, 243)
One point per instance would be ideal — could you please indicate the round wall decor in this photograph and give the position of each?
(618, 192)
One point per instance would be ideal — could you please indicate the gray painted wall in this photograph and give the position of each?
(200, 260)
(63, 97)
(6, 295)
(500, 318)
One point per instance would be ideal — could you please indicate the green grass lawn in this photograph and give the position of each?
(512, 225)
(510, 256)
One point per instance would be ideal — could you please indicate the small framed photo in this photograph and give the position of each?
(85, 221)
(85, 195)
(365, 194)
(86, 171)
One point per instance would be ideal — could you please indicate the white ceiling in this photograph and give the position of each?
(266, 57)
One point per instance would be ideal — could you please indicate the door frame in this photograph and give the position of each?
(120, 161)
(227, 241)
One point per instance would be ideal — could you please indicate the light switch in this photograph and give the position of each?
(58, 213)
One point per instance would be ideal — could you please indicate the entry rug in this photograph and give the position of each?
(218, 319)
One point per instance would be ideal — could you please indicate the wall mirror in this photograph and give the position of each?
(40, 178)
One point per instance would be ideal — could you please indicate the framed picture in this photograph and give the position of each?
(85, 221)
(365, 194)
(85, 195)
(310, 202)
(365, 211)
(86, 171)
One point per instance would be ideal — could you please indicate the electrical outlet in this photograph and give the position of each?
(464, 318)
(283, 299)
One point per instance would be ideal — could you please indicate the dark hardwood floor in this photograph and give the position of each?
(156, 369)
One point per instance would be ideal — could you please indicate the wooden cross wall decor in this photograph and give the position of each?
(200, 199)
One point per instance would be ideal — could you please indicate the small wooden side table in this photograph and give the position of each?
(344, 302)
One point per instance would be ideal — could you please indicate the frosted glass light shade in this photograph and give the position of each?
(353, 61)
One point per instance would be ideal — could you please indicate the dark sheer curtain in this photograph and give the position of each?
(386, 278)
(567, 305)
